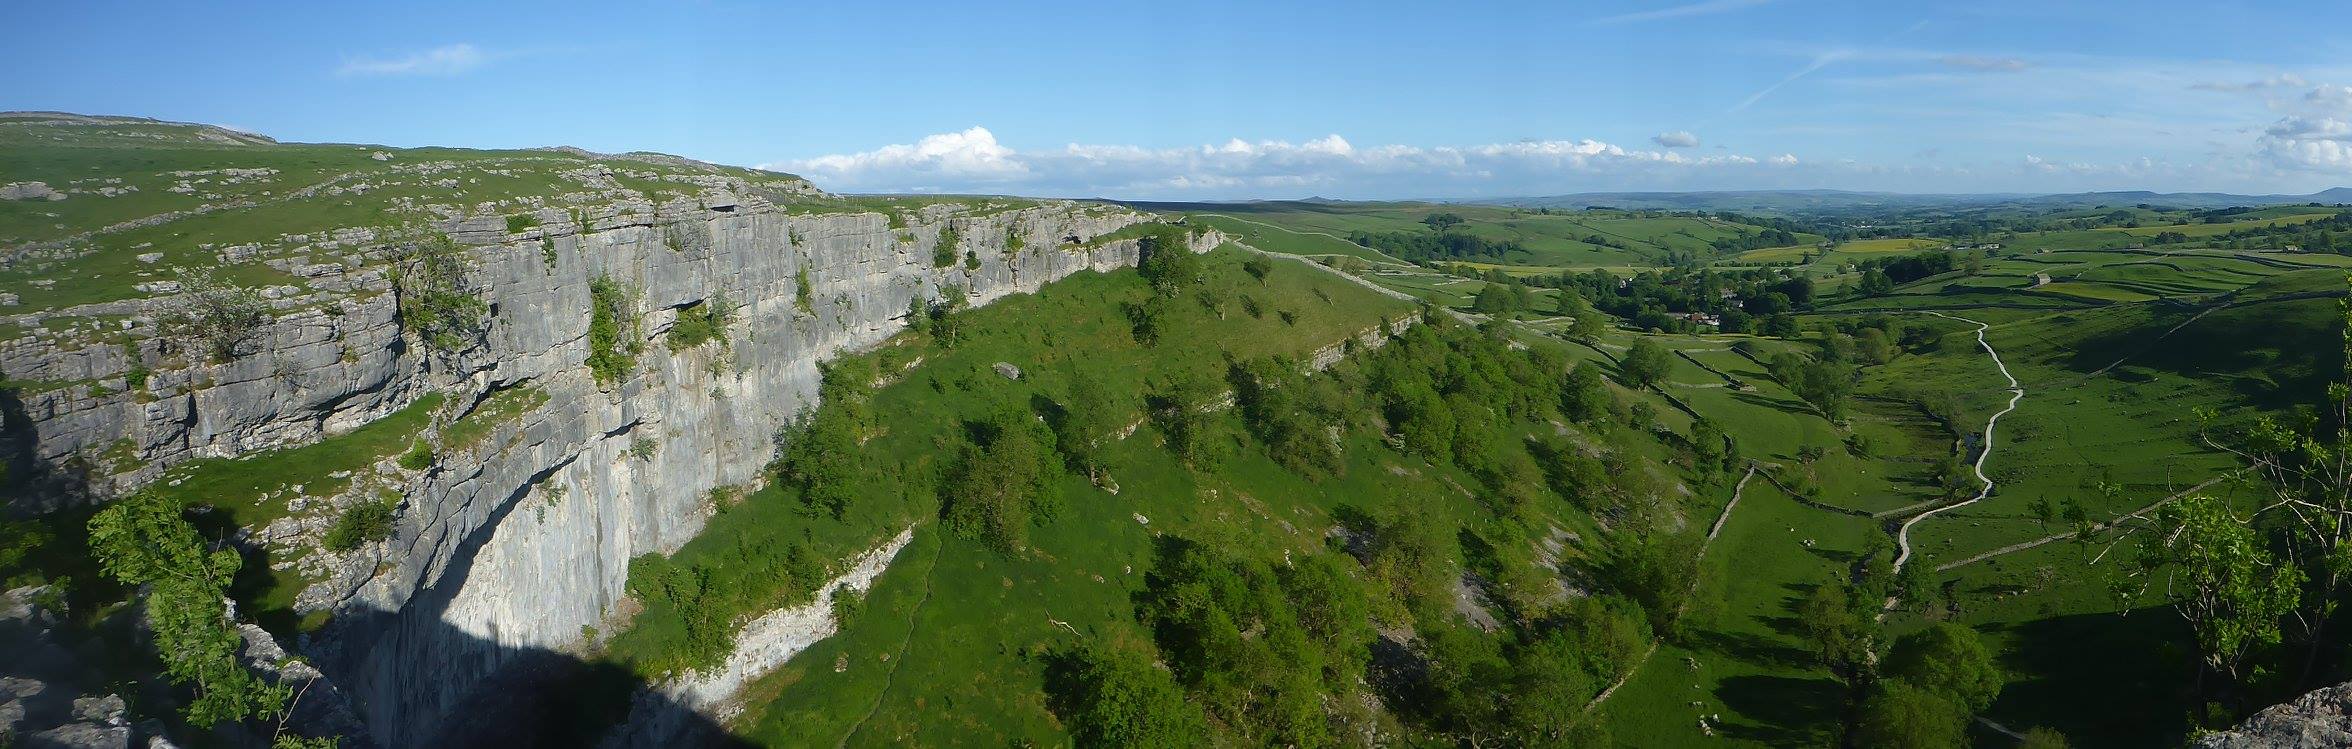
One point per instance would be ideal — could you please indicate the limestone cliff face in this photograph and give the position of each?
(516, 544)
(523, 548)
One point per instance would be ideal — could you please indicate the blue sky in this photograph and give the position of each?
(1237, 100)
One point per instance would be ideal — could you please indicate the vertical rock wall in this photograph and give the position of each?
(513, 553)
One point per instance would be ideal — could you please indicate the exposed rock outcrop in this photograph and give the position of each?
(48, 692)
(510, 547)
(666, 716)
(2319, 719)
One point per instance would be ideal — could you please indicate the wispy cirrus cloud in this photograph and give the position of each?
(1709, 7)
(2282, 80)
(451, 59)
(1820, 61)
(1984, 64)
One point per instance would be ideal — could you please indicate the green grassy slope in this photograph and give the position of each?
(1551, 239)
(134, 187)
(953, 644)
(2110, 395)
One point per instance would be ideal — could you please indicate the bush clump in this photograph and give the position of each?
(418, 457)
(1003, 482)
(364, 523)
(436, 301)
(214, 315)
(702, 323)
(943, 254)
(613, 342)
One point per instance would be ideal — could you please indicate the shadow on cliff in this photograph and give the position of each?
(28, 484)
(431, 684)
(531, 697)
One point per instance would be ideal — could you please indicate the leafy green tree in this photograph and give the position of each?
(2042, 738)
(1874, 346)
(1840, 621)
(2307, 465)
(1584, 323)
(1495, 299)
(1645, 364)
(822, 458)
(21, 542)
(1419, 416)
(1330, 604)
(143, 541)
(1147, 319)
(1653, 567)
(1290, 413)
(1083, 420)
(1259, 267)
(1950, 660)
(1117, 698)
(1711, 449)
(2043, 511)
(2222, 578)
(1443, 221)
(1002, 483)
(1180, 410)
(1584, 396)
(1411, 557)
(1901, 716)
(1875, 283)
(1168, 262)
(1260, 649)
(1548, 687)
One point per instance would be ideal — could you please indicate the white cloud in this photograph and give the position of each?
(973, 153)
(1676, 139)
(1985, 64)
(2330, 98)
(1710, 7)
(974, 161)
(2282, 80)
(445, 60)
(2315, 136)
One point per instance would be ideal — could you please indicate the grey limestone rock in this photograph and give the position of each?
(29, 191)
(507, 548)
(2321, 718)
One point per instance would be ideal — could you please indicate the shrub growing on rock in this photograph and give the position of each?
(943, 254)
(364, 523)
(613, 342)
(214, 315)
(702, 323)
(436, 302)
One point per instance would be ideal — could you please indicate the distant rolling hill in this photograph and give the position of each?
(1815, 201)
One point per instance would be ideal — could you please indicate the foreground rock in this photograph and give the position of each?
(47, 693)
(2322, 718)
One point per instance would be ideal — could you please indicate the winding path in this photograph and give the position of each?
(1389, 259)
(2016, 393)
